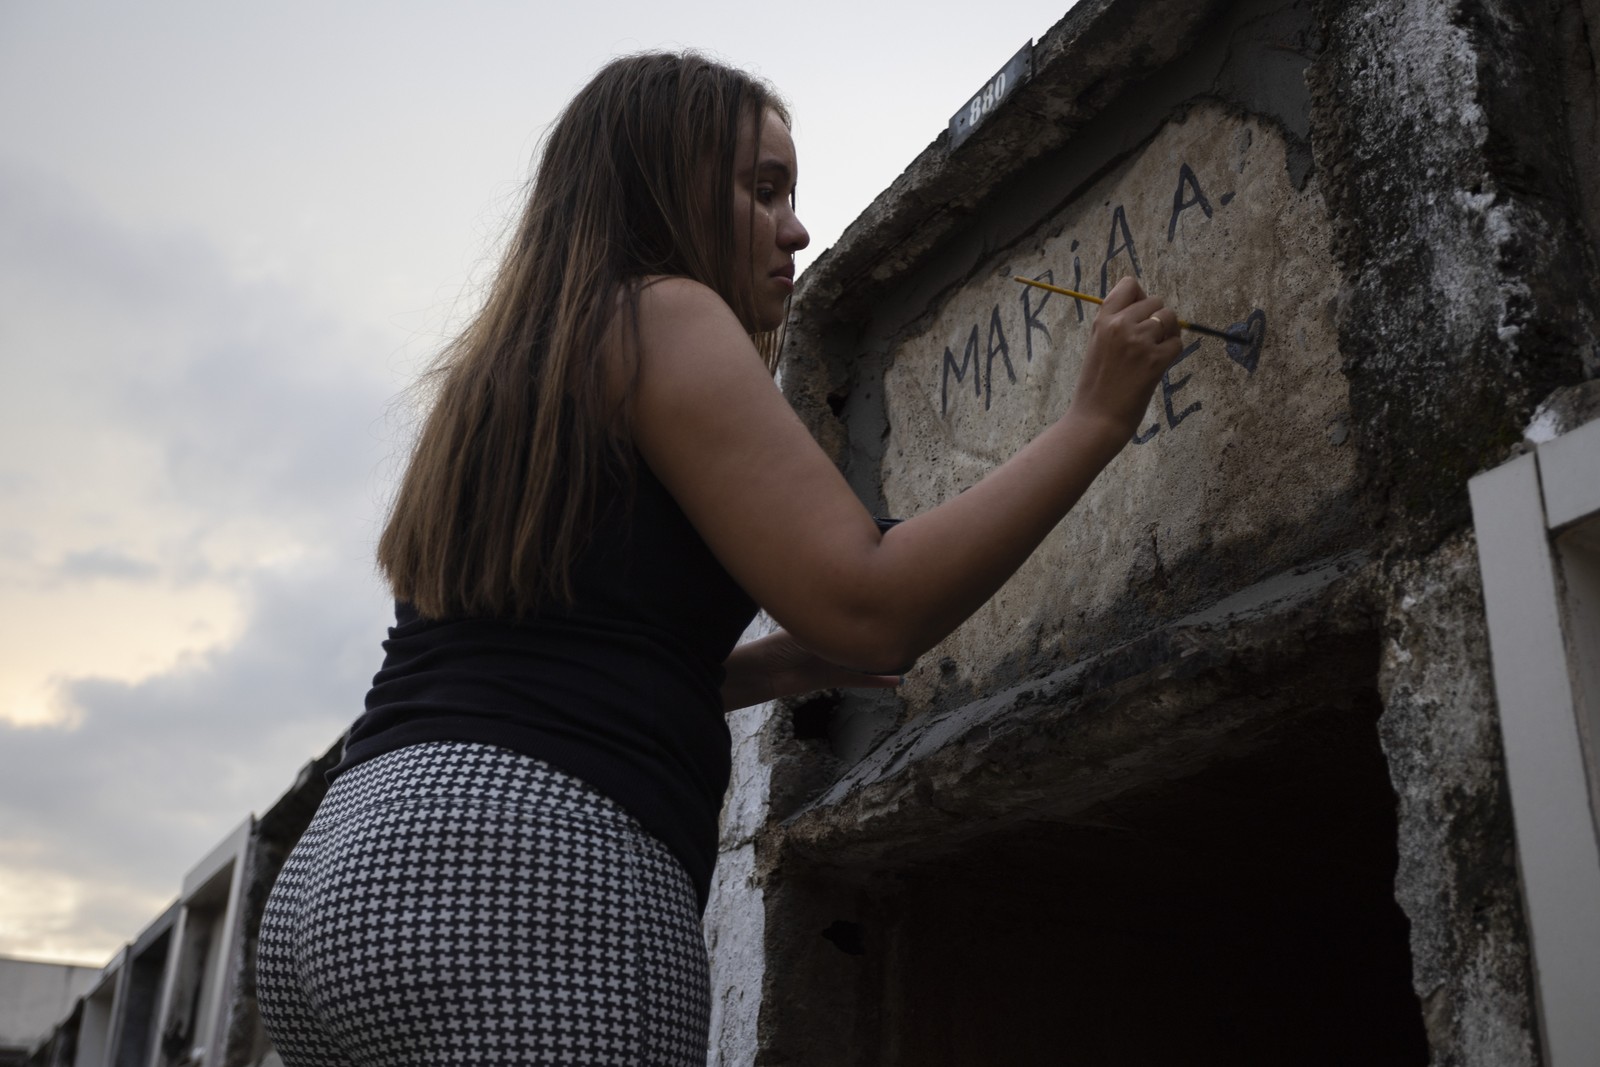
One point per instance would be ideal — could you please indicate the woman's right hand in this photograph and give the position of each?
(777, 666)
(1132, 342)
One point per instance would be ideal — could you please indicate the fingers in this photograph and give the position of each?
(1143, 308)
(1129, 300)
(1132, 343)
(1164, 321)
(1126, 292)
(1149, 319)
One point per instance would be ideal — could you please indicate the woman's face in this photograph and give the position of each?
(764, 222)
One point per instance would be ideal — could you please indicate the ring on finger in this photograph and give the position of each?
(1156, 318)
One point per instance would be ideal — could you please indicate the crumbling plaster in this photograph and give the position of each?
(1240, 438)
(1471, 292)
(1208, 685)
(1454, 162)
(735, 920)
(1457, 880)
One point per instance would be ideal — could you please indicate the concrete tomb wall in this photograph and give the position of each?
(1216, 777)
(1240, 437)
(33, 996)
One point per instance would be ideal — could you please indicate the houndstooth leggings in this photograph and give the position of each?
(462, 904)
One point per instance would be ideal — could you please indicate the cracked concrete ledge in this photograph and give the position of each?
(1154, 710)
(1083, 64)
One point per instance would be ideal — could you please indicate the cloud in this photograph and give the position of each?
(250, 395)
(150, 775)
(170, 424)
(56, 916)
(104, 563)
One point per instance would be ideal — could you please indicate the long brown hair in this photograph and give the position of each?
(504, 481)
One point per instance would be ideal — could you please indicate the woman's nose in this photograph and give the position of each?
(793, 236)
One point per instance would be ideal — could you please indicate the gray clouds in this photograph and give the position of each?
(168, 425)
(253, 396)
(104, 563)
(150, 774)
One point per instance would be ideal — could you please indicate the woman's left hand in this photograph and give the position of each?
(778, 666)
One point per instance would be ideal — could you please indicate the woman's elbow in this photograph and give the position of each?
(870, 642)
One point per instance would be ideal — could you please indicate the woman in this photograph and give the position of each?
(512, 859)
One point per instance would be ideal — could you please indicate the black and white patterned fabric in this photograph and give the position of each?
(462, 904)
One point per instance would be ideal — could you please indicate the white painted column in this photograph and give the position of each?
(1544, 669)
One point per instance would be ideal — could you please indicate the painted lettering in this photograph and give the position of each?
(1170, 387)
(978, 357)
(1030, 314)
(997, 333)
(1119, 232)
(969, 356)
(1188, 195)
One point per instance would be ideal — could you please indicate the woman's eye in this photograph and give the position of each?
(765, 193)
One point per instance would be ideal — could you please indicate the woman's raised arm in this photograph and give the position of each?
(714, 429)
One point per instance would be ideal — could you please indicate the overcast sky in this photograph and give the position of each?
(229, 236)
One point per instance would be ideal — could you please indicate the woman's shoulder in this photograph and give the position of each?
(677, 313)
(665, 295)
(673, 317)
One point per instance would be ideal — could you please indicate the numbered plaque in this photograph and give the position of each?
(1018, 69)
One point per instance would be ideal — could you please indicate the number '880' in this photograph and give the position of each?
(985, 101)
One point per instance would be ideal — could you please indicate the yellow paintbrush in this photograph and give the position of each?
(1238, 339)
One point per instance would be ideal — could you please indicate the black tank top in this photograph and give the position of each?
(623, 690)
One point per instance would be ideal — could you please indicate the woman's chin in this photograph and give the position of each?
(771, 318)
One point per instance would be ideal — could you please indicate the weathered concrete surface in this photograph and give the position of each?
(34, 996)
(1239, 438)
(735, 920)
(1227, 119)
(1096, 843)
(1457, 879)
(1578, 32)
(1471, 293)
(1208, 686)
(1417, 201)
(1098, 50)
(735, 931)
(1563, 411)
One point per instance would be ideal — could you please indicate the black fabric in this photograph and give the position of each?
(622, 691)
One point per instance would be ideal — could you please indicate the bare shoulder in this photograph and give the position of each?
(679, 323)
(670, 289)
(690, 339)
(669, 303)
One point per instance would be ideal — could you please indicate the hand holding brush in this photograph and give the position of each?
(1193, 327)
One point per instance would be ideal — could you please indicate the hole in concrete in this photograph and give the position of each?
(1241, 915)
(846, 937)
(810, 718)
(143, 1001)
(1244, 915)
